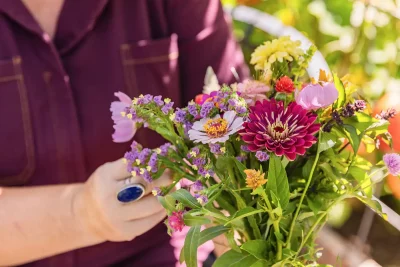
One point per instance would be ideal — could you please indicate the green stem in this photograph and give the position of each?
(288, 243)
(275, 224)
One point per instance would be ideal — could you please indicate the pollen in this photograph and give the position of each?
(216, 128)
(255, 179)
(129, 116)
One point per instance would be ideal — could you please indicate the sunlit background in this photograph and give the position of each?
(359, 38)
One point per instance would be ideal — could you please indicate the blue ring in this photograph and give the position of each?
(130, 193)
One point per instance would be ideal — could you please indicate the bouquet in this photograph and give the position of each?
(263, 161)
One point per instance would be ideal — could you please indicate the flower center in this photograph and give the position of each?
(278, 130)
(216, 128)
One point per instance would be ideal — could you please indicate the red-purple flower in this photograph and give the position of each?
(285, 131)
(175, 221)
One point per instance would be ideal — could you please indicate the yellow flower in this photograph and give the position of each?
(254, 178)
(276, 50)
(167, 100)
(137, 161)
(172, 117)
(123, 114)
(129, 116)
(158, 150)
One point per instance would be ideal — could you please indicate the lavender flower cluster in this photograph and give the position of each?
(199, 163)
(144, 161)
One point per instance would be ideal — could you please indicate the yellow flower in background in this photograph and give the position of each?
(254, 178)
(279, 50)
(248, 2)
(286, 16)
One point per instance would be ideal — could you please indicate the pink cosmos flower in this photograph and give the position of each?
(252, 91)
(316, 96)
(124, 127)
(392, 162)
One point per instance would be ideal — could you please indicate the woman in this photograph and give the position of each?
(60, 63)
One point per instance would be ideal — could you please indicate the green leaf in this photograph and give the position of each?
(233, 258)
(257, 248)
(242, 214)
(353, 137)
(378, 127)
(327, 141)
(190, 246)
(360, 121)
(372, 204)
(168, 202)
(221, 165)
(278, 181)
(240, 167)
(230, 236)
(186, 199)
(252, 221)
(212, 232)
(342, 92)
(195, 220)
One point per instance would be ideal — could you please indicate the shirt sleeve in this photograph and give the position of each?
(205, 39)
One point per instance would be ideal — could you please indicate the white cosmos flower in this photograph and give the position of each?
(216, 129)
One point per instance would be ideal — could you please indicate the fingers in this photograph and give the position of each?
(142, 208)
(116, 170)
(164, 180)
(140, 226)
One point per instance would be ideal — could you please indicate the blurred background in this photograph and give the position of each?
(359, 38)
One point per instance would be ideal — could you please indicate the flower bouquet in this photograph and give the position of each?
(266, 159)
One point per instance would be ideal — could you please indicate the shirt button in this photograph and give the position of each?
(66, 78)
(46, 37)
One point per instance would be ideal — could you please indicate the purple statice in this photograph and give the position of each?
(147, 177)
(223, 107)
(233, 103)
(241, 158)
(360, 105)
(158, 100)
(206, 109)
(392, 162)
(348, 111)
(157, 192)
(167, 108)
(262, 156)
(197, 186)
(131, 155)
(244, 148)
(135, 145)
(386, 115)
(206, 172)
(202, 199)
(164, 149)
(199, 162)
(187, 126)
(240, 110)
(180, 115)
(144, 154)
(135, 171)
(194, 152)
(147, 99)
(153, 161)
(193, 109)
(336, 117)
(215, 148)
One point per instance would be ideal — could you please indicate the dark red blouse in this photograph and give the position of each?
(55, 124)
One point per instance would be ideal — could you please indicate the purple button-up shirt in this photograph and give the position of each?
(55, 124)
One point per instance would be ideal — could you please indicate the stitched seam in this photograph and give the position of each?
(170, 56)
(55, 125)
(27, 126)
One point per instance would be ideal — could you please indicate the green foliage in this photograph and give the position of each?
(277, 181)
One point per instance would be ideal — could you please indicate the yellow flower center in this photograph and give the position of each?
(216, 128)
(254, 178)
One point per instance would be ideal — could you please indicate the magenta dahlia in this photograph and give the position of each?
(284, 131)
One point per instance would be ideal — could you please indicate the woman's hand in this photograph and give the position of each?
(100, 213)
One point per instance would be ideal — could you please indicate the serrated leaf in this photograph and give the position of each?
(341, 100)
(233, 258)
(186, 199)
(190, 246)
(278, 181)
(257, 248)
(191, 220)
(212, 232)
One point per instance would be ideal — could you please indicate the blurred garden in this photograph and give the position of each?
(360, 38)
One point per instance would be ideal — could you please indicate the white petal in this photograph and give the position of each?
(221, 139)
(237, 123)
(229, 116)
(198, 125)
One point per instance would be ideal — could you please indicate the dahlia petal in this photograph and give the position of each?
(300, 150)
(253, 148)
(248, 138)
(290, 156)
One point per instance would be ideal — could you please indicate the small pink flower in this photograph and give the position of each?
(316, 96)
(124, 127)
(392, 162)
(253, 91)
(175, 221)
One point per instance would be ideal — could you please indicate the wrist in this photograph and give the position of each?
(82, 216)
